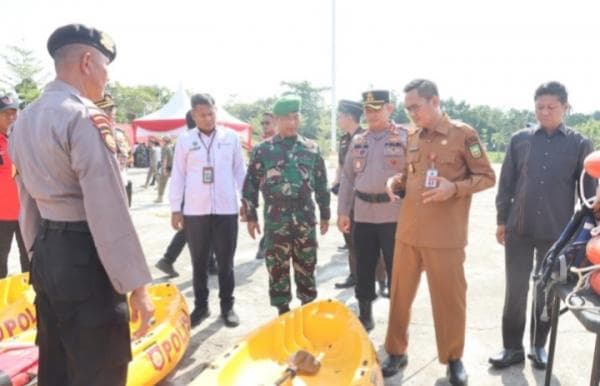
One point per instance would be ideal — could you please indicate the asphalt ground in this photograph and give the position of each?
(485, 276)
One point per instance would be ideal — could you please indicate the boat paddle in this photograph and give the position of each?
(301, 362)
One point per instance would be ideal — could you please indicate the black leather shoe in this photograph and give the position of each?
(383, 289)
(166, 267)
(230, 318)
(393, 364)
(539, 358)
(282, 309)
(457, 375)
(198, 315)
(507, 357)
(349, 282)
(365, 316)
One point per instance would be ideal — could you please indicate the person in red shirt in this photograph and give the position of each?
(9, 201)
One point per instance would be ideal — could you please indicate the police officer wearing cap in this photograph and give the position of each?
(123, 148)
(86, 255)
(445, 166)
(348, 119)
(374, 156)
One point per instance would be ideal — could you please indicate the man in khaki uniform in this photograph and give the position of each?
(446, 164)
(373, 157)
(86, 254)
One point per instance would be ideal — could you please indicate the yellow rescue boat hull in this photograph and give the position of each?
(17, 312)
(327, 329)
(155, 355)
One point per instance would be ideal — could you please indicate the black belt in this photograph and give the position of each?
(372, 197)
(72, 226)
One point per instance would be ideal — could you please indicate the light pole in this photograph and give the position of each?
(333, 101)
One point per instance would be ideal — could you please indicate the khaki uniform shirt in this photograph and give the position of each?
(460, 158)
(64, 150)
(372, 158)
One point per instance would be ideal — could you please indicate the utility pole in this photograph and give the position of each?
(333, 99)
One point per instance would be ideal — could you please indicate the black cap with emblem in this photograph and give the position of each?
(350, 107)
(375, 99)
(81, 34)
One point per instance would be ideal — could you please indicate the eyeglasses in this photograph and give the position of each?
(265, 123)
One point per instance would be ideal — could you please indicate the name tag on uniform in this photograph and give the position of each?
(429, 181)
(208, 174)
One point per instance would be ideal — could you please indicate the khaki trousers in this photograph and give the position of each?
(447, 288)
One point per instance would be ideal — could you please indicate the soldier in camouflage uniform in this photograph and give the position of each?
(287, 169)
(166, 165)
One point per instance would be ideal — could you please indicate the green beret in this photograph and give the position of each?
(350, 107)
(80, 34)
(286, 105)
(375, 99)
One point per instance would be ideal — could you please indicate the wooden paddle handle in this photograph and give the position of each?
(288, 374)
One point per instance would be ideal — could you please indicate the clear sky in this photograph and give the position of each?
(486, 52)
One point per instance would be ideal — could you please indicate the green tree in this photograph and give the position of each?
(591, 129)
(577, 119)
(25, 72)
(250, 113)
(136, 101)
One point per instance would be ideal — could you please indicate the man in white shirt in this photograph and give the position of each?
(207, 177)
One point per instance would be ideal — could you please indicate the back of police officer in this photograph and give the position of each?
(86, 253)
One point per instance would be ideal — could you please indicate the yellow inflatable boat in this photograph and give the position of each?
(17, 312)
(154, 355)
(326, 329)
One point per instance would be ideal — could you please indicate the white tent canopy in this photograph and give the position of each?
(170, 120)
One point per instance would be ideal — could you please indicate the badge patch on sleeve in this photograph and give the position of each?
(475, 150)
(103, 125)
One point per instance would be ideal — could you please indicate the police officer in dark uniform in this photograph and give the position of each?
(349, 113)
(86, 254)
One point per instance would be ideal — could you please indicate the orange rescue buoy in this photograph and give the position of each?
(592, 250)
(595, 282)
(592, 164)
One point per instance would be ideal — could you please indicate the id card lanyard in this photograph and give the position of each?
(431, 172)
(208, 172)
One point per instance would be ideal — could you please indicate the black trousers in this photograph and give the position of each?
(7, 230)
(218, 233)
(175, 247)
(371, 241)
(83, 324)
(380, 270)
(519, 257)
